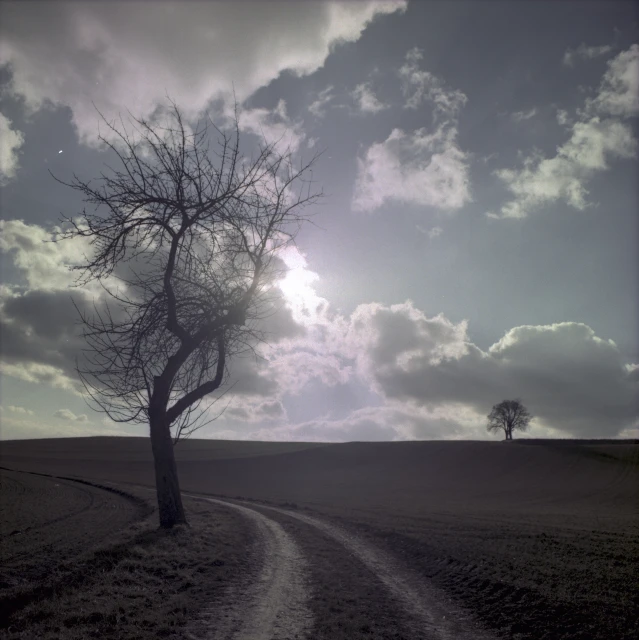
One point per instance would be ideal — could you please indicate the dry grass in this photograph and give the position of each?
(145, 583)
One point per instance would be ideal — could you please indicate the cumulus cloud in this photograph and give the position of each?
(426, 377)
(39, 322)
(583, 52)
(38, 319)
(421, 168)
(424, 167)
(564, 176)
(66, 414)
(618, 94)
(366, 100)
(431, 381)
(43, 264)
(597, 137)
(123, 55)
(572, 380)
(10, 142)
(419, 86)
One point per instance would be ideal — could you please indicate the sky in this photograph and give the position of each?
(478, 238)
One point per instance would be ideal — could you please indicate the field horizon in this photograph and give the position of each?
(537, 538)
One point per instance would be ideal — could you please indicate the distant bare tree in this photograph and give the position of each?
(509, 415)
(192, 239)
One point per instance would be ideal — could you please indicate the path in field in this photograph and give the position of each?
(438, 618)
(274, 605)
(271, 602)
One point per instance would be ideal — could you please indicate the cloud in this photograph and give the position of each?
(618, 94)
(38, 319)
(597, 137)
(38, 373)
(10, 142)
(66, 414)
(520, 116)
(20, 410)
(563, 118)
(419, 86)
(366, 100)
(542, 181)
(421, 168)
(124, 56)
(582, 52)
(364, 425)
(424, 168)
(573, 381)
(274, 127)
(432, 233)
(318, 107)
(21, 427)
(422, 376)
(44, 265)
(255, 412)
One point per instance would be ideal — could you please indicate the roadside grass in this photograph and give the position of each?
(146, 583)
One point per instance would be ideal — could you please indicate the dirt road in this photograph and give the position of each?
(272, 602)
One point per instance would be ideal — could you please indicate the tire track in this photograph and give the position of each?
(434, 615)
(272, 603)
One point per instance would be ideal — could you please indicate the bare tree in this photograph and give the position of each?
(509, 415)
(191, 237)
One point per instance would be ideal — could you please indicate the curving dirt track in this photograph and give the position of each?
(50, 519)
(270, 602)
(437, 617)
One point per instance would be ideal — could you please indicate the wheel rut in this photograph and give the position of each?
(269, 604)
(273, 603)
(429, 614)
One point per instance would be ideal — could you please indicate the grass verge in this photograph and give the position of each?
(146, 583)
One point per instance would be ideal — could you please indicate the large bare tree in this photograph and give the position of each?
(190, 235)
(509, 416)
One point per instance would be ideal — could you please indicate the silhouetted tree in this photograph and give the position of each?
(191, 238)
(509, 415)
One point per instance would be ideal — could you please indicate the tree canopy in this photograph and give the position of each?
(509, 416)
(192, 237)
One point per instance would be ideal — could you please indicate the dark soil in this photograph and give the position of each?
(539, 541)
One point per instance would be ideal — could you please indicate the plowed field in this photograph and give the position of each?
(525, 540)
(47, 521)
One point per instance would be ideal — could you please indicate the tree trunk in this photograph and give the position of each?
(166, 477)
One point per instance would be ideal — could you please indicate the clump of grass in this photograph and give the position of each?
(147, 584)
